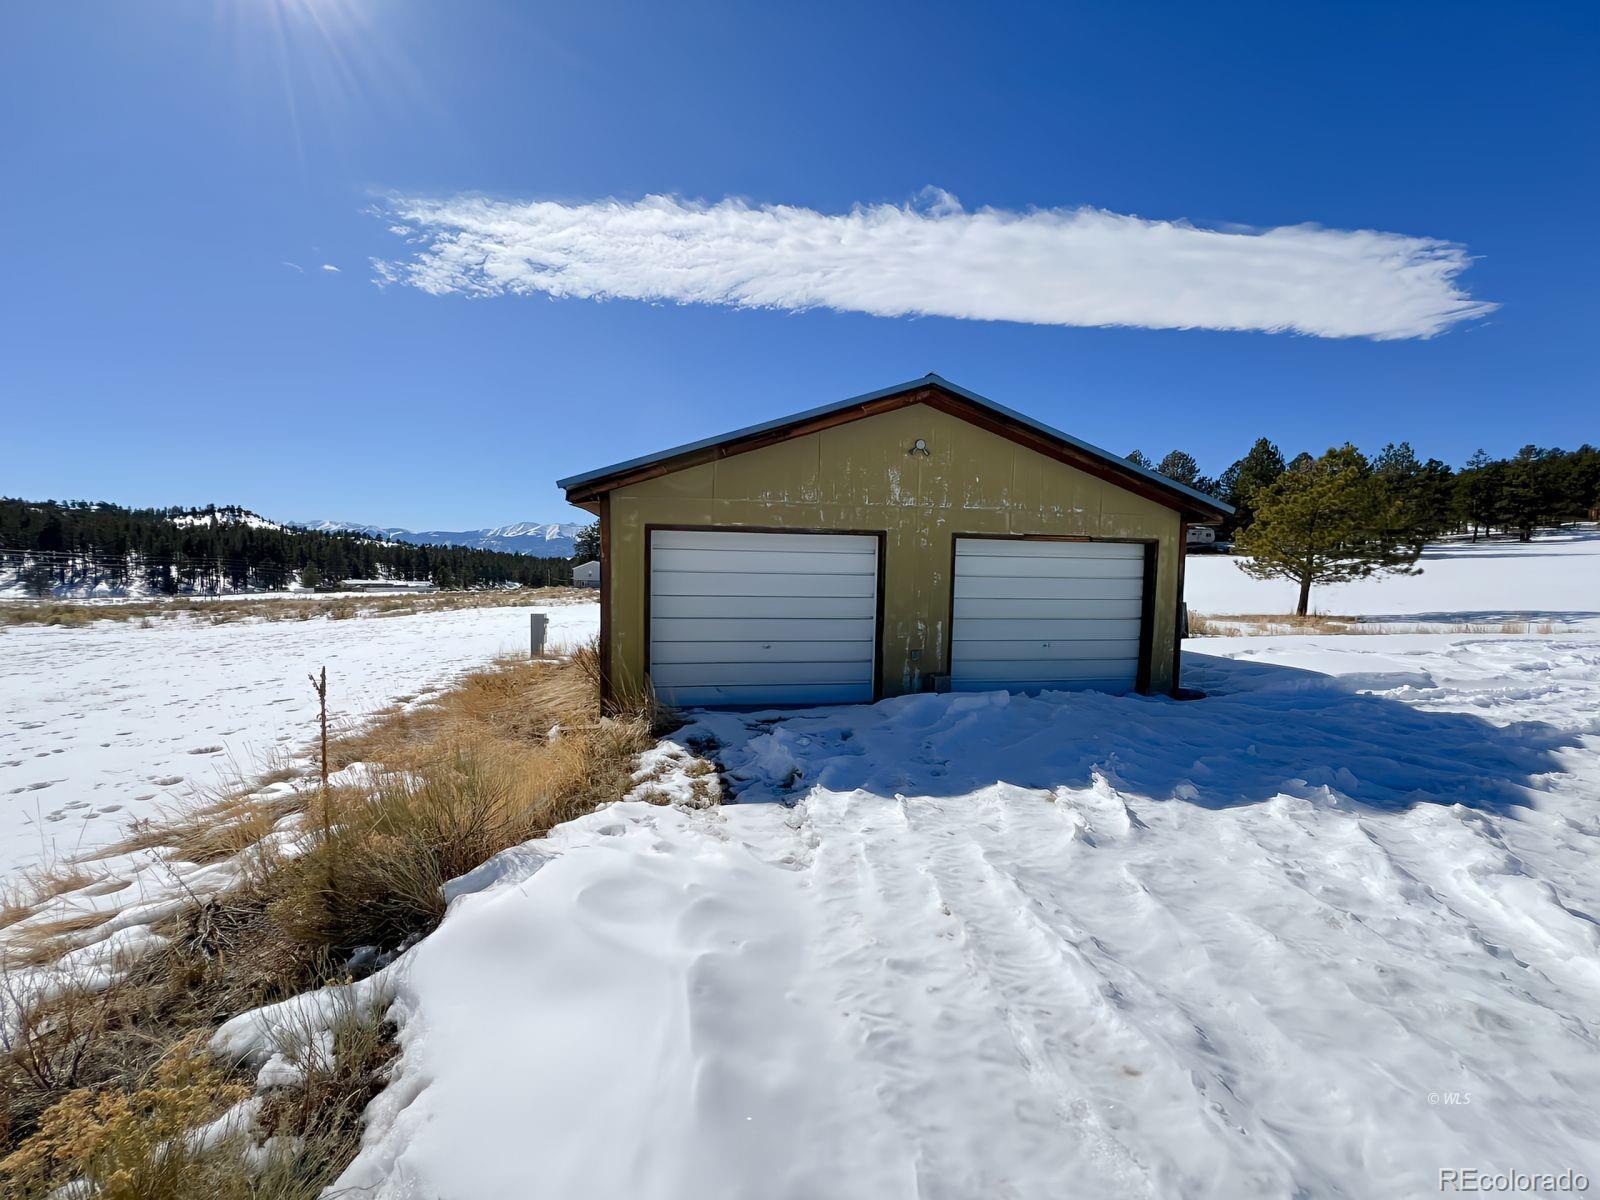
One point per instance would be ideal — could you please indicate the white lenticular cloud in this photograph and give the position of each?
(1042, 267)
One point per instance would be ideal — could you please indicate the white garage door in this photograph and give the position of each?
(762, 618)
(1031, 615)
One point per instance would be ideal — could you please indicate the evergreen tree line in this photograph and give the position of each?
(1345, 516)
(77, 543)
(1517, 495)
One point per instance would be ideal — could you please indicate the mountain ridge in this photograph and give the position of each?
(541, 539)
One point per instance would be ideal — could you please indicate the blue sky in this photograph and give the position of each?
(178, 174)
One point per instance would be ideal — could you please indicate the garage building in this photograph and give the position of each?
(918, 537)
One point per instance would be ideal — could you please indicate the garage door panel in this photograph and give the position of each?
(762, 618)
(978, 565)
(1035, 630)
(978, 650)
(675, 675)
(1115, 684)
(976, 608)
(1038, 614)
(760, 562)
(729, 540)
(761, 695)
(732, 583)
(1003, 671)
(760, 629)
(724, 607)
(775, 652)
(1024, 547)
(982, 587)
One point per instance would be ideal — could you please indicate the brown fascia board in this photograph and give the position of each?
(584, 490)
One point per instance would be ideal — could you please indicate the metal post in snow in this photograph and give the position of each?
(538, 624)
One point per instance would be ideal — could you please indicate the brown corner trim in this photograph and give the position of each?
(607, 559)
(1177, 610)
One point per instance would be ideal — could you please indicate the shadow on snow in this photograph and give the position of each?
(1263, 731)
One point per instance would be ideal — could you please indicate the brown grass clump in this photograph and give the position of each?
(462, 777)
(134, 1135)
(127, 1145)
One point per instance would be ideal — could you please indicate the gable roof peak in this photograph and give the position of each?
(1159, 487)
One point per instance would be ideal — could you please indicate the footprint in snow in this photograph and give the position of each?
(168, 781)
(206, 750)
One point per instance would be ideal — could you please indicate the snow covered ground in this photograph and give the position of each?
(1555, 578)
(1323, 933)
(107, 723)
(1326, 932)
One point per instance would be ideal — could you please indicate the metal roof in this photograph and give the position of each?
(1155, 477)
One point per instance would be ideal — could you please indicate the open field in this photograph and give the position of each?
(222, 610)
(105, 724)
(1554, 579)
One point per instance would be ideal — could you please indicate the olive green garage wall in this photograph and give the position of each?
(859, 476)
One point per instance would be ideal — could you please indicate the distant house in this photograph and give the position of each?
(586, 575)
(911, 538)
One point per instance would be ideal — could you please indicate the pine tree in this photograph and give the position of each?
(1421, 491)
(1259, 468)
(1180, 465)
(1477, 490)
(586, 546)
(1527, 498)
(1138, 459)
(1327, 521)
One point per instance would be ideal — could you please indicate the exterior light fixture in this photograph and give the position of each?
(919, 447)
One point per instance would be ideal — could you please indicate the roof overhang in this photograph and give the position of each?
(585, 490)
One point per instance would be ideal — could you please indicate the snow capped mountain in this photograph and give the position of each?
(543, 540)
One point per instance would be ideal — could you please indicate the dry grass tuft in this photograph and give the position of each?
(1269, 625)
(1266, 625)
(128, 1144)
(41, 942)
(21, 896)
(462, 777)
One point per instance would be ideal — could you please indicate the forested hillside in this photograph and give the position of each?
(77, 545)
(1420, 499)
